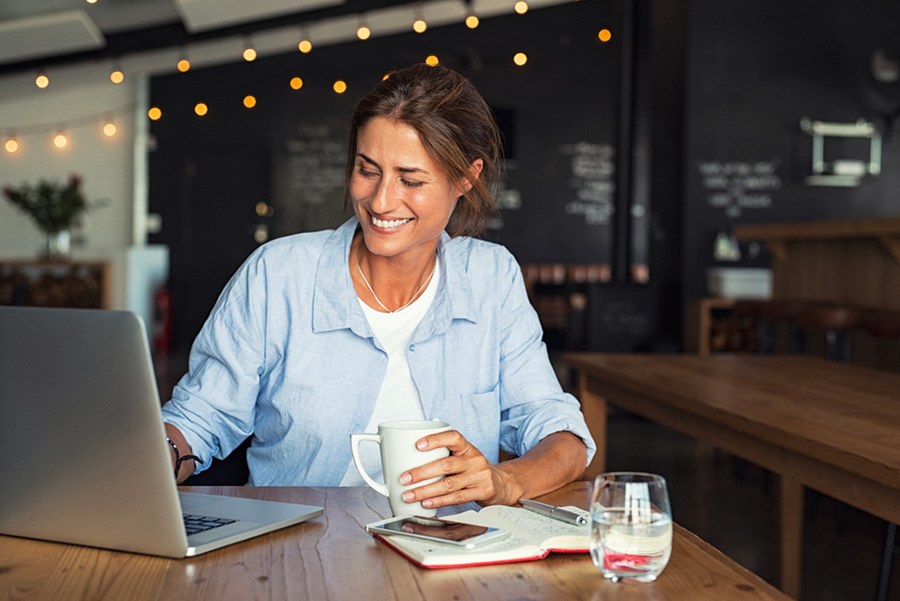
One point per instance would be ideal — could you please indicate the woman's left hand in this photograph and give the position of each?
(467, 475)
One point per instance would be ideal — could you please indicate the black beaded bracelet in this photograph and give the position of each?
(179, 459)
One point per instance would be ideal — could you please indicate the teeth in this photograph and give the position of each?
(389, 224)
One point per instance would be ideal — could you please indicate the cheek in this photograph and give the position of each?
(359, 189)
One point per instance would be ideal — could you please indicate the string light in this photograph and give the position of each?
(339, 86)
(521, 7)
(42, 80)
(604, 35)
(109, 128)
(60, 139)
(471, 18)
(432, 61)
(363, 32)
(184, 63)
(419, 25)
(11, 144)
(249, 101)
(520, 58)
(201, 109)
(296, 83)
(117, 76)
(249, 53)
(305, 44)
(154, 113)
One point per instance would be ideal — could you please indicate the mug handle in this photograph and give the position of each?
(355, 439)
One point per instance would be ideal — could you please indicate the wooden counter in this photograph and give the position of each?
(852, 261)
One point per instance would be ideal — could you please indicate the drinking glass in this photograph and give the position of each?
(631, 525)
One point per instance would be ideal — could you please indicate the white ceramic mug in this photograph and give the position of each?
(398, 454)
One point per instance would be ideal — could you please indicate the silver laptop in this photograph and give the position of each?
(83, 456)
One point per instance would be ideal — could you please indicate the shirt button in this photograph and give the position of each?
(412, 347)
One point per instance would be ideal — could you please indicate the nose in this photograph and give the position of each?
(382, 198)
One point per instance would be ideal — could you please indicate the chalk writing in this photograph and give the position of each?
(735, 186)
(592, 178)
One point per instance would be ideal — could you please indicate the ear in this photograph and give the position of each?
(474, 173)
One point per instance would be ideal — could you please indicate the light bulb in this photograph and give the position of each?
(521, 7)
(520, 58)
(604, 35)
(432, 61)
(419, 25)
(60, 140)
(42, 81)
(184, 65)
(472, 21)
(201, 109)
(249, 101)
(11, 145)
(154, 113)
(340, 86)
(363, 32)
(249, 54)
(117, 75)
(305, 46)
(296, 83)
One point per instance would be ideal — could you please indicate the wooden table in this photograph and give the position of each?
(832, 427)
(332, 558)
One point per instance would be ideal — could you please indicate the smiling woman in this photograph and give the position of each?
(397, 320)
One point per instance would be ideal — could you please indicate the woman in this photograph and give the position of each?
(320, 335)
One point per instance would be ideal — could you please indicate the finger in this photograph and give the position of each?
(451, 439)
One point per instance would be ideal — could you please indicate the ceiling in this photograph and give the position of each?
(45, 32)
(78, 42)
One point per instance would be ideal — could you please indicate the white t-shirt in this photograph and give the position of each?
(398, 398)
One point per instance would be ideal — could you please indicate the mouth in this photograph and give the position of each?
(389, 224)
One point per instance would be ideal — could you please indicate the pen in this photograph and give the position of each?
(557, 513)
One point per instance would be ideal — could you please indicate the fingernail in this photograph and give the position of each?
(405, 478)
(421, 444)
(408, 496)
(427, 503)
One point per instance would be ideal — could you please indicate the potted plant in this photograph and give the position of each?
(55, 208)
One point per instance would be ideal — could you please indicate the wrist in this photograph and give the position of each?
(179, 459)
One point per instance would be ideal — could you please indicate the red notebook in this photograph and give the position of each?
(532, 536)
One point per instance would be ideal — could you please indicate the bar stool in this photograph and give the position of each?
(884, 324)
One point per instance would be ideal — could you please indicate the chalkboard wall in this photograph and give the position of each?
(559, 113)
(754, 70)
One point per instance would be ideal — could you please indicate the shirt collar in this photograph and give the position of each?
(335, 304)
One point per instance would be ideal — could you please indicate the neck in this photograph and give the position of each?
(385, 285)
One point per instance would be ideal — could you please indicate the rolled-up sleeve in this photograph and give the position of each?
(213, 405)
(533, 404)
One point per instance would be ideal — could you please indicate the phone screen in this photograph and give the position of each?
(465, 535)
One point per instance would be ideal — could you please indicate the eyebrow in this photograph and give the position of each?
(400, 169)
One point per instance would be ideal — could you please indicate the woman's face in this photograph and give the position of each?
(402, 197)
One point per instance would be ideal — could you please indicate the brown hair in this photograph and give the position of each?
(455, 125)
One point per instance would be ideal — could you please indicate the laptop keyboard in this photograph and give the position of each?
(201, 523)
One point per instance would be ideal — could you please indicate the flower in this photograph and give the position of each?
(53, 206)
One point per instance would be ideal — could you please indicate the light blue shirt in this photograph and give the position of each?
(288, 357)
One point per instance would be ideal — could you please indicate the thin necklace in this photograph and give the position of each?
(378, 300)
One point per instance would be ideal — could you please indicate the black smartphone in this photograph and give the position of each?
(438, 530)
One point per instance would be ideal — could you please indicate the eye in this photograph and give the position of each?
(410, 183)
(368, 173)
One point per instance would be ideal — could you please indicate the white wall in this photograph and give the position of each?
(105, 164)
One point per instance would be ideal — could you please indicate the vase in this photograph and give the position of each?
(57, 245)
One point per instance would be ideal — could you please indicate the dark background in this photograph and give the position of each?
(684, 87)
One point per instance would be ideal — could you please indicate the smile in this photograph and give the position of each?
(389, 224)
